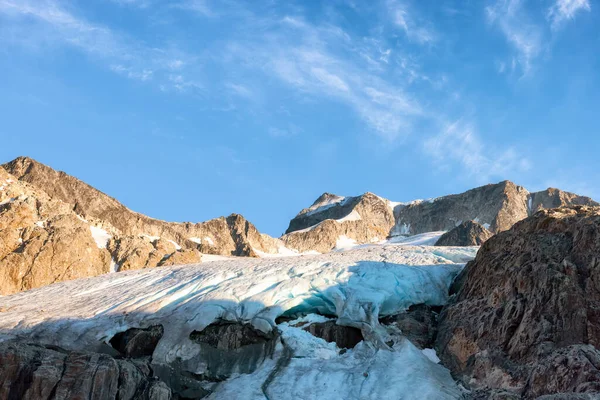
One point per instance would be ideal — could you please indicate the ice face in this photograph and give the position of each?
(357, 287)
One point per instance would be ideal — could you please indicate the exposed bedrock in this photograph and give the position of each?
(468, 233)
(227, 348)
(526, 315)
(30, 372)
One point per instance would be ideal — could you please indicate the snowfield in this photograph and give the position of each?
(358, 287)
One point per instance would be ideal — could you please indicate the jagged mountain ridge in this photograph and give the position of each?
(370, 218)
(54, 227)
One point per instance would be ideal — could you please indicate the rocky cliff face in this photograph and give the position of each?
(370, 218)
(526, 315)
(218, 236)
(363, 219)
(53, 227)
(469, 233)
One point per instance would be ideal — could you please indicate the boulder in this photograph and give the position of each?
(469, 233)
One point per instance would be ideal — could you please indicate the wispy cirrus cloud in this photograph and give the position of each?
(524, 36)
(51, 20)
(322, 61)
(414, 28)
(564, 10)
(459, 142)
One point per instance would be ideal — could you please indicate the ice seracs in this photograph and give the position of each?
(354, 287)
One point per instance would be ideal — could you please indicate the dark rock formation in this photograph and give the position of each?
(345, 337)
(526, 315)
(228, 348)
(136, 342)
(418, 324)
(29, 372)
(469, 233)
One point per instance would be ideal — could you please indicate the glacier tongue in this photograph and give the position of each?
(357, 286)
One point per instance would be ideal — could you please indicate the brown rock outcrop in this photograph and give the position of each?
(370, 218)
(42, 241)
(526, 315)
(53, 227)
(469, 233)
(365, 219)
(89, 202)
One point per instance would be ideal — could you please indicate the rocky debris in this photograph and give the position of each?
(137, 342)
(345, 337)
(90, 203)
(526, 314)
(469, 233)
(418, 324)
(365, 219)
(38, 373)
(227, 348)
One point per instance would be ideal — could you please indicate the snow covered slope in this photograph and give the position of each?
(357, 287)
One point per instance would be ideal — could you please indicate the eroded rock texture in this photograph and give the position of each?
(526, 315)
(30, 372)
(469, 233)
(54, 227)
(365, 219)
(228, 348)
(418, 324)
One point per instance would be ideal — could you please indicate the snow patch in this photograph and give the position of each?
(326, 204)
(353, 216)
(150, 238)
(114, 267)
(7, 201)
(423, 239)
(40, 223)
(195, 240)
(101, 237)
(344, 243)
(432, 355)
(177, 246)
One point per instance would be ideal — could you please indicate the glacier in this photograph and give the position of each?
(355, 288)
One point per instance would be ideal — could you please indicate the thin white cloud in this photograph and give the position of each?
(414, 29)
(564, 10)
(239, 90)
(459, 143)
(49, 20)
(324, 62)
(523, 36)
(200, 7)
(281, 133)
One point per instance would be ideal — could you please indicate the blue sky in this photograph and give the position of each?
(191, 109)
